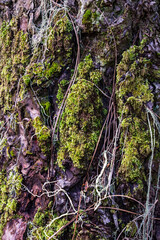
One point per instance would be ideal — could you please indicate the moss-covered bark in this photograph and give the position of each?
(82, 117)
(49, 171)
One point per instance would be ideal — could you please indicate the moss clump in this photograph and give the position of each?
(38, 228)
(52, 70)
(132, 94)
(86, 70)
(131, 229)
(91, 20)
(40, 218)
(35, 73)
(117, 35)
(62, 87)
(49, 59)
(10, 187)
(38, 73)
(85, 67)
(81, 120)
(42, 133)
(60, 39)
(46, 105)
(14, 55)
(87, 17)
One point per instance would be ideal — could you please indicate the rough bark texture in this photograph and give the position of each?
(79, 119)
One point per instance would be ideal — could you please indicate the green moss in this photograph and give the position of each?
(87, 17)
(38, 73)
(52, 70)
(91, 20)
(85, 67)
(131, 229)
(42, 133)
(157, 73)
(39, 229)
(133, 93)
(60, 38)
(95, 76)
(118, 36)
(50, 57)
(10, 187)
(46, 106)
(14, 55)
(35, 73)
(81, 120)
(12, 153)
(62, 87)
(40, 218)
(86, 70)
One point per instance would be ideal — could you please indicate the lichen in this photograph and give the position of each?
(81, 120)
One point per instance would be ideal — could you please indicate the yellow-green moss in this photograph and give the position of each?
(62, 87)
(60, 39)
(91, 20)
(35, 73)
(10, 187)
(132, 93)
(38, 73)
(87, 17)
(46, 106)
(52, 70)
(82, 118)
(85, 67)
(131, 229)
(116, 36)
(14, 55)
(43, 134)
(41, 219)
(49, 58)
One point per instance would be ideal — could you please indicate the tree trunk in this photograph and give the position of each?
(79, 119)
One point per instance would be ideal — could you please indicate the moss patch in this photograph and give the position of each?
(133, 74)
(62, 87)
(10, 187)
(91, 20)
(42, 133)
(60, 38)
(81, 120)
(14, 55)
(38, 228)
